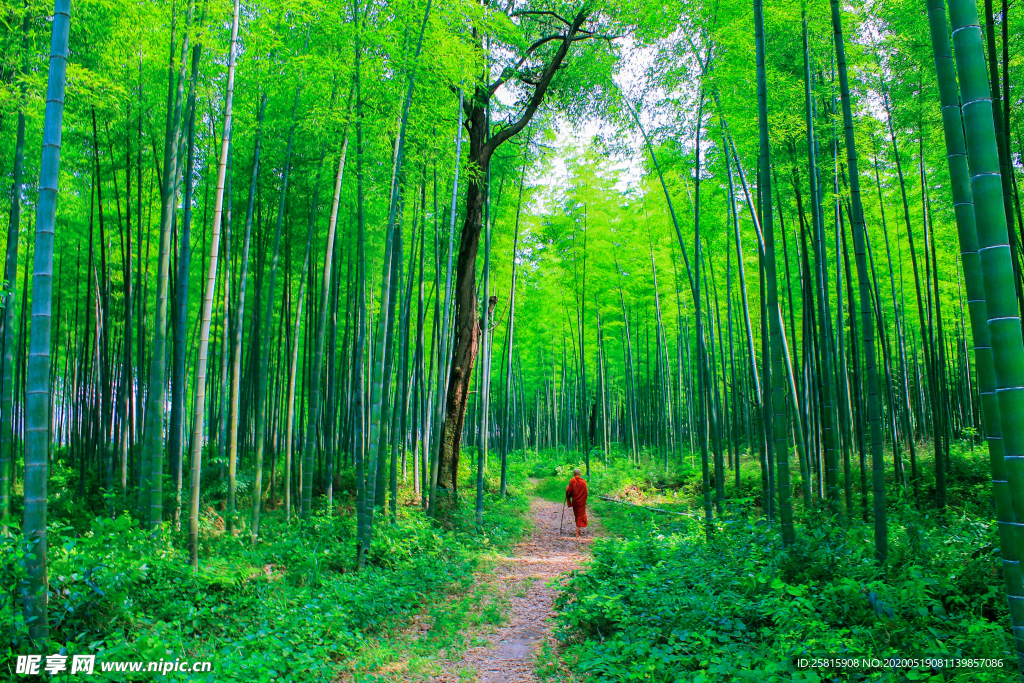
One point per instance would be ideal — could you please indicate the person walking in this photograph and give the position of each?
(576, 498)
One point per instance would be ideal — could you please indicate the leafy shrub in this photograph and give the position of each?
(672, 604)
(289, 608)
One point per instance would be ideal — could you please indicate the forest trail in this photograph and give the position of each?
(523, 578)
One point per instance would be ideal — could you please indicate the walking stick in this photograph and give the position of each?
(560, 520)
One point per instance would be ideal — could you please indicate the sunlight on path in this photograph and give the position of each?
(522, 578)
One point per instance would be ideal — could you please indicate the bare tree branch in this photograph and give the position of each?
(549, 13)
(508, 72)
(543, 83)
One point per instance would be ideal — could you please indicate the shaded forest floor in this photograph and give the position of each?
(288, 608)
(505, 631)
(654, 596)
(665, 598)
(647, 596)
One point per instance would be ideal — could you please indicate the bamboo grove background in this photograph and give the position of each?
(764, 254)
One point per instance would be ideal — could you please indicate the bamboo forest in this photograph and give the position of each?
(531, 340)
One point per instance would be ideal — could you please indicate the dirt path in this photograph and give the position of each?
(522, 577)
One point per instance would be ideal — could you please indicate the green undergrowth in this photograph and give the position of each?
(290, 608)
(677, 483)
(663, 601)
(440, 630)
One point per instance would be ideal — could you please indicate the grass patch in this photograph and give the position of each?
(414, 651)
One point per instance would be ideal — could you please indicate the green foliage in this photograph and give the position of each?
(290, 608)
(665, 604)
(437, 632)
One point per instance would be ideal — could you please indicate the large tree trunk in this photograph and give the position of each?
(467, 332)
(467, 328)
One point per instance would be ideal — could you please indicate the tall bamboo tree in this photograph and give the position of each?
(778, 378)
(208, 296)
(868, 327)
(996, 272)
(37, 377)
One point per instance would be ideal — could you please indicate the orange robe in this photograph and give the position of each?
(576, 496)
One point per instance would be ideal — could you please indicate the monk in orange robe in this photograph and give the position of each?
(576, 498)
